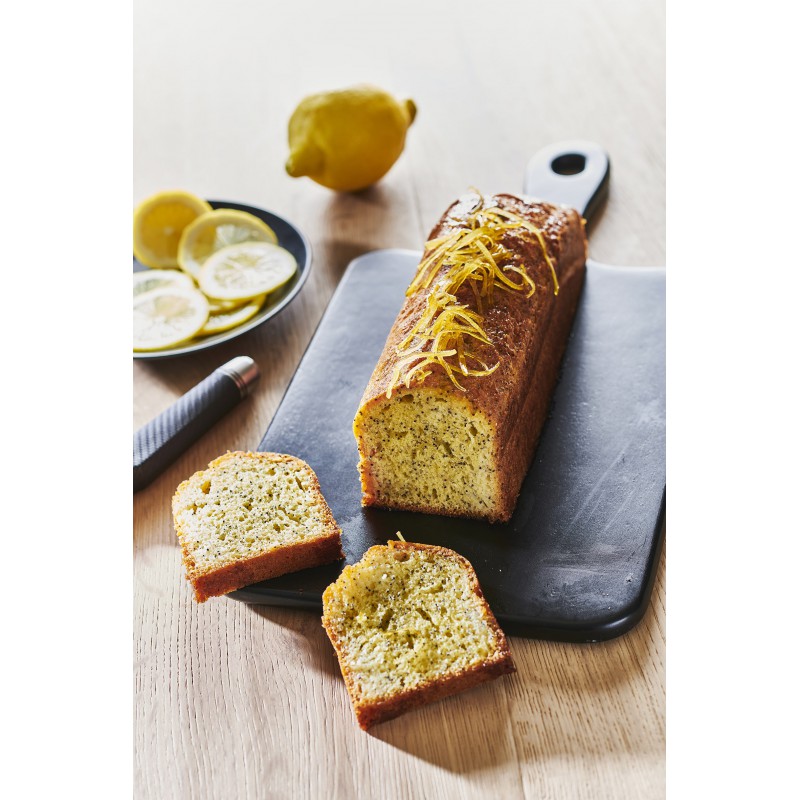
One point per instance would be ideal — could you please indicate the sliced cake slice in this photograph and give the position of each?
(249, 517)
(410, 625)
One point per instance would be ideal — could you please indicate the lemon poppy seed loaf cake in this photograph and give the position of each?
(449, 421)
(410, 625)
(249, 517)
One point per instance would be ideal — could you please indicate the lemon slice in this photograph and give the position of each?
(158, 223)
(166, 317)
(151, 279)
(225, 320)
(243, 271)
(220, 306)
(218, 229)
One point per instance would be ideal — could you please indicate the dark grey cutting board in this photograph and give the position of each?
(577, 560)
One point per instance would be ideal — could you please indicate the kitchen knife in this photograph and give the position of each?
(163, 439)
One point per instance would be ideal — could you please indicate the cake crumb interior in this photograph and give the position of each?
(422, 449)
(243, 507)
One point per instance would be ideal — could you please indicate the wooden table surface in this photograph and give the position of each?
(233, 701)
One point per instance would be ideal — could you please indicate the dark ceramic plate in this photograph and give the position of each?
(290, 238)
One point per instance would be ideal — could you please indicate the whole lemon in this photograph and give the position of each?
(348, 139)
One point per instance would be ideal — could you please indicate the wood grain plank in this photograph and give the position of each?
(247, 702)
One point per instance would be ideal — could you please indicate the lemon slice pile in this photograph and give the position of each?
(233, 256)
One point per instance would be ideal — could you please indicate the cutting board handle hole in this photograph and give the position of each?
(568, 164)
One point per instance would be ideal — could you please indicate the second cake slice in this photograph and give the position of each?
(410, 625)
(250, 517)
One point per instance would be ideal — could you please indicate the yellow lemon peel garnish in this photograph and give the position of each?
(472, 255)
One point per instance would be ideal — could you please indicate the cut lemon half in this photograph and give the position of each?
(151, 279)
(244, 271)
(225, 320)
(166, 317)
(158, 224)
(215, 230)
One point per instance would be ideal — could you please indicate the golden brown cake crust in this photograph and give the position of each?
(269, 565)
(323, 549)
(528, 335)
(372, 712)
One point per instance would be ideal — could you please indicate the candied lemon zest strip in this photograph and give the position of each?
(444, 328)
(471, 255)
